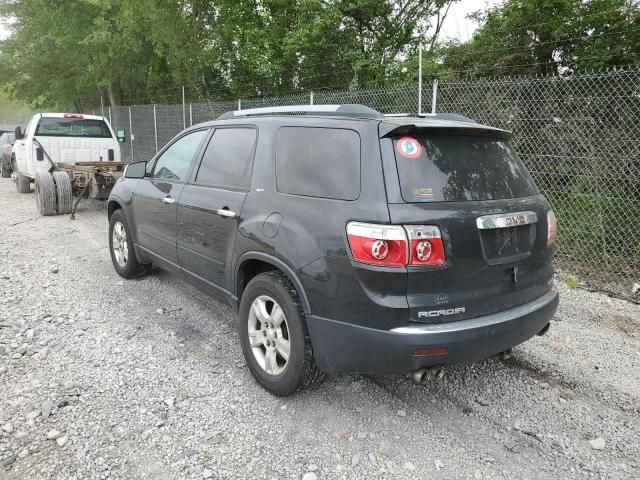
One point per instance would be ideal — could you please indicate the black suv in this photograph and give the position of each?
(348, 241)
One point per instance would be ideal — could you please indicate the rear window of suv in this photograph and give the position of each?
(454, 168)
(318, 162)
(72, 127)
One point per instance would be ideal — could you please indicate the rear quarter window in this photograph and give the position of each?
(318, 162)
(453, 168)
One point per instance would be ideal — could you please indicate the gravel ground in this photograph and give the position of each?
(105, 378)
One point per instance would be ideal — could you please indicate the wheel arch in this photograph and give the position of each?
(251, 264)
(112, 206)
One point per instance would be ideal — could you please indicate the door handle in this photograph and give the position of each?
(168, 200)
(225, 212)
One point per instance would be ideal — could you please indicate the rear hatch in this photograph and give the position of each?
(467, 181)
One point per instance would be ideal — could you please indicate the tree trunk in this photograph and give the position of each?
(114, 99)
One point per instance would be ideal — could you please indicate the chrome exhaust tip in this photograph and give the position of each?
(424, 375)
(544, 330)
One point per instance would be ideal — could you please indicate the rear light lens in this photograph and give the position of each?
(384, 245)
(7, 150)
(73, 115)
(552, 227)
(395, 246)
(429, 351)
(426, 247)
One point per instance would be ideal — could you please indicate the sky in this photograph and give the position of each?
(457, 26)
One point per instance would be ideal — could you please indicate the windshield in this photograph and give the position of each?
(453, 168)
(72, 127)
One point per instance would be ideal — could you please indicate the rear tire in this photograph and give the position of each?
(276, 300)
(63, 192)
(123, 254)
(45, 194)
(5, 169)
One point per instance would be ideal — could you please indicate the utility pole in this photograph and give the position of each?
(434, 96)
(420, 79)
(184, 111)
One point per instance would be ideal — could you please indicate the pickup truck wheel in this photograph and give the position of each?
(123, 255)
(23, 184)
(274, 337)
(63, 192)
(45, 194)
(5, 170)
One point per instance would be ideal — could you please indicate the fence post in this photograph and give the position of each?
(191, 114)
(310, 98)
(131, 137)
(434, 96)
(101, 106)
(109, 113)
(184, 111)
(420, 79)
(239, 104)
(155, 126)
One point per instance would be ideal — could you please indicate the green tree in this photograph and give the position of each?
(546, 37)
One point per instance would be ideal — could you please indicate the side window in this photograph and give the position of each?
(318, 162)
(174, 162)
(228, 159)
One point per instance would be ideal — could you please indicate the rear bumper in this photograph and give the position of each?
(341, 347)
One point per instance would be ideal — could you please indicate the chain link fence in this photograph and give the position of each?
(579, 136)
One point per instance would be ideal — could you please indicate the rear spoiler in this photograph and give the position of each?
(393, 129)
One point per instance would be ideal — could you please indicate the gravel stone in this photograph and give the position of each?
(107, 362)
(62, 441)
(8, 427)
(597, 443)
(309, 476)
(54, 434)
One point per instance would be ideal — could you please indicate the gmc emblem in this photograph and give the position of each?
(511, 221)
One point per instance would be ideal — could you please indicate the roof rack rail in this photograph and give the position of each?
(346, 110)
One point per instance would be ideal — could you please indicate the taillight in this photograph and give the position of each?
(425, 245)
(384, 245)
(394, 245)
(73, 115)
(7, 150)
(552, 227)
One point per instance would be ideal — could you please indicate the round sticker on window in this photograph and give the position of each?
(409, 147)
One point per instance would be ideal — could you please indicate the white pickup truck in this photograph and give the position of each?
(66, 154)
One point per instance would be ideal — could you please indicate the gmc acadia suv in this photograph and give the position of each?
(348, 241)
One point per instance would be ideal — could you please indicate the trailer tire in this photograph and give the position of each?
(63, 192)
(23, 184)
(45, 194)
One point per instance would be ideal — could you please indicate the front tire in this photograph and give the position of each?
(123, 255)
(23, 184)
(274, 337)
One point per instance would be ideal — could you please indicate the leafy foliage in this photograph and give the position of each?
(137, 51)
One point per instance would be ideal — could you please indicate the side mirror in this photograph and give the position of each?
(135, 170)
(18, 133)
(122, 136)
